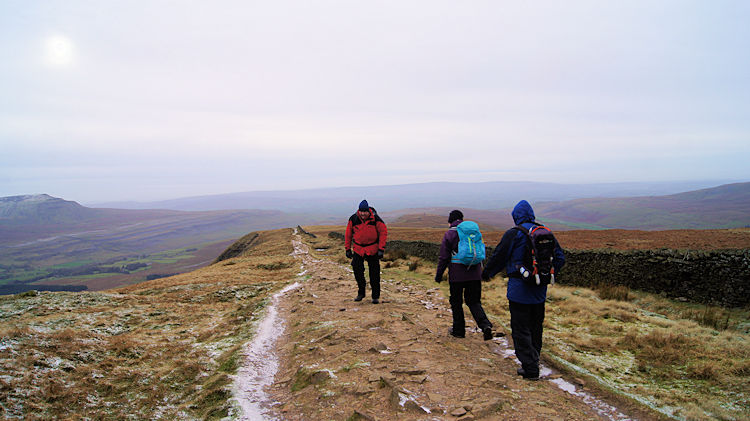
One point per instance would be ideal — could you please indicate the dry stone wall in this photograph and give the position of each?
(720, 277)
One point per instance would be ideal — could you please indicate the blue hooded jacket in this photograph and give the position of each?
(509, 254)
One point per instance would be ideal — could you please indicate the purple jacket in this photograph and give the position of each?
(456, 271)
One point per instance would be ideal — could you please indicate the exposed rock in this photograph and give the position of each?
(324, 337)
(379, 347)
(435, 397)
(411, 371)
(488, 408)
(320, 376)
(459, 412)
(363, 415)
(413, 406)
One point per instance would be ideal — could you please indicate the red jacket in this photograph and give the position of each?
(365, 237)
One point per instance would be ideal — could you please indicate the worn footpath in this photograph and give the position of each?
(347, 360)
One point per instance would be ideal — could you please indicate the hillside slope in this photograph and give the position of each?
(163, 349)
(341, 201)
(49, 243)
(726, 206)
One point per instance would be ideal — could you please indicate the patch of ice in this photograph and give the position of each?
(260, 364)
(429, 305)
(7, 344)
(404, 397)
(604, 409)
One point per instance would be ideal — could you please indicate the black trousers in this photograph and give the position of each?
(471, 291)
(526, 322)
(373, 264)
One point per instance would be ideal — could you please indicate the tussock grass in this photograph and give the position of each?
(392, 255)
(614, 292)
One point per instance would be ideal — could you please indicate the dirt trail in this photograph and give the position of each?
(343, 360)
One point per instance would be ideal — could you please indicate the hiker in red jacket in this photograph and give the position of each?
(365, 239)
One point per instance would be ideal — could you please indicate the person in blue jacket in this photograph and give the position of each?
(525, 298)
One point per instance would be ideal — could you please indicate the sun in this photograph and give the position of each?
(59, 51)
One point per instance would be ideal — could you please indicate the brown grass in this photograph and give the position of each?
(167, 343)
(613, 292)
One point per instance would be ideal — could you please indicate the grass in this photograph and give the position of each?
(164, 348)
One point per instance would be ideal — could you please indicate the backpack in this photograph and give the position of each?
(540, 254)
(470, 246)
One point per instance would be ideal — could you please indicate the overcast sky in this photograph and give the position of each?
(146, 100)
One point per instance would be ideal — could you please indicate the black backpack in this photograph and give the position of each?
(540, 254)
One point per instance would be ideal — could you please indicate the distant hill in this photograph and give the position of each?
(48, 242)
(726, 206)
(30, 217)
(342, 201)
(42, 209)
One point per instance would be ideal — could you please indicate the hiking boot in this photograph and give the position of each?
(530, 377)
(456, 335)
(520, 371)
(487, 332)
(375, 301)
(359, 298)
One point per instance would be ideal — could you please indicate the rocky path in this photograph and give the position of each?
(346, 360)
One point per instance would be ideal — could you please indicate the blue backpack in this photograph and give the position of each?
(470, 246)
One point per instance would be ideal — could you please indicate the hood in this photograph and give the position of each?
(456, 222)
(523, 213)
(372, 215)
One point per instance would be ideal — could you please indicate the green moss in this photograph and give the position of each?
(230, 362)
(302, 379)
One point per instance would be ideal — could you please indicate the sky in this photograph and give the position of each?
(155, 99)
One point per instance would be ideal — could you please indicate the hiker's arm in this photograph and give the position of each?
(443, 259)
(559, 257)
(500, 256)
(382, 234)
(348, 236)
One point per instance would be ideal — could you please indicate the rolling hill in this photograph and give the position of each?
(48, 243)
(341, 201)
(726, 206)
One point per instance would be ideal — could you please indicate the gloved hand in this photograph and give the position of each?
(349, 254)
(438, 278)
(381, 253)
(485, 277)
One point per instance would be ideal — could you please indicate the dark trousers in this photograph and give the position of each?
(526, 322)
(471, 291)
(358, 266)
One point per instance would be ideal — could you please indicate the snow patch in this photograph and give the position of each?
(260, 364)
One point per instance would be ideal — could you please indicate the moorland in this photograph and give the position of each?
(173, 347)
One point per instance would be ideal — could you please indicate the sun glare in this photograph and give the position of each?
(58, 51)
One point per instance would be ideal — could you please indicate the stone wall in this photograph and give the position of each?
(719, 277)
